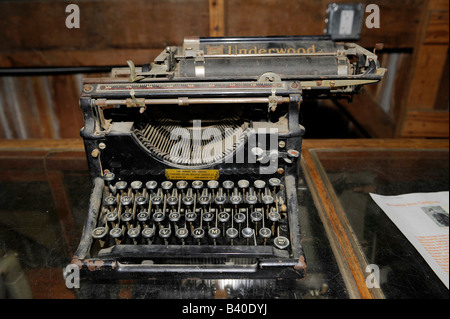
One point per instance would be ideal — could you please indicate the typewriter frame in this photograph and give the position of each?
(139, 90)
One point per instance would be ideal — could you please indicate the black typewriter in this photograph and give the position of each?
(194, 158)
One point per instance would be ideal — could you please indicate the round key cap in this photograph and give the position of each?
(116, 232)
(174, 216)
(110, 200)
(198, 233)
(293, 153)
(187, 200)
(248, 232)
(141, 200)
(239, 218)
(109, 176)
(133, 232)
(208, 216)
(204, 200)
(156, 200)
(182, 233)
(265, 232)
(274, 182)
(267, 199)
(212, 184)
(99, 233)
(220, 200)
(125, 200)
(235, 199)
(223, 217)
(166, 185)
(111, 216)
(121, 185)
(274, 216)
(172, 200)
(251, 199)
(151, 185)
(243, 183)
(136, 185)
(143, 216)
(281, 242)
(259, 184)
(158, 216)
(232, 233)
(256, 216)
(148, 232)
(191, 216)
(182, 185)
(197, 184)
(126, 217)
(228, 184)
(214, 232)
(165, 232)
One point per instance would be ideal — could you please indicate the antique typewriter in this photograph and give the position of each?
(194, 158)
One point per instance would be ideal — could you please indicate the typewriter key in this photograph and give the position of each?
(197, 184)
(147, 234)
(256, 216)
(239, 218)
(116, 234)
(174, 216)
(198, 233)
(188, 200)
(204, 199)
(232, 233)
(158, 216)
(207, 217)
(251, 199)
(166, 185)
(265, 233)
(181, 185)
(109, 176)
(125, 200)
(165, 233)
(274, 216)
(121, 185)
(141, 200)
(126, 218)
(228, 184)
(259, 184)
(111, 219)
(110, 200)
(267, 199)
(133, 234)
(293, 153)
(143, 217)
(274, 182)
(223, 217)
(243, 183)
(214, 233)
(248, 232)
(172, 200)
(191, 217)
(156, 200)
(212, 184)
(220, 200)
(100, 234)
(182, 233)
(136, 185)
(281, 242)
(236, 199)
(151, 185)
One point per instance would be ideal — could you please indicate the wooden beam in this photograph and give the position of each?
(216, 18)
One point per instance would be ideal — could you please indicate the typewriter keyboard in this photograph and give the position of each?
(240, 212)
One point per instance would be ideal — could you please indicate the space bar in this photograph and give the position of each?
(182, 251)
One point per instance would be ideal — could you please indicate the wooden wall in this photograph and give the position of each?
(33, 35)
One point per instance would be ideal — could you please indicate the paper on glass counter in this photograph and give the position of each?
(424, 219)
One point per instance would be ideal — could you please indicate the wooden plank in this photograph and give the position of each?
(399, 20)
(216, 18)
(420, 123)
(437, 29)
